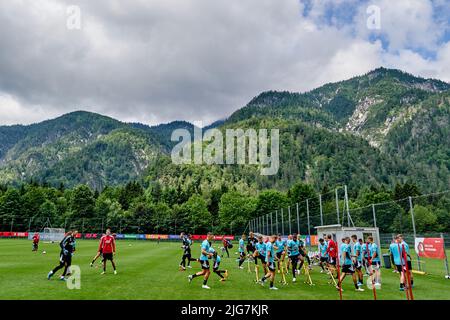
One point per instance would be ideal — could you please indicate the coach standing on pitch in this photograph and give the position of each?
(108, 248)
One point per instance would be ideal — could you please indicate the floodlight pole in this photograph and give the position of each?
(298, 220)
(282, 222)
(267, 224)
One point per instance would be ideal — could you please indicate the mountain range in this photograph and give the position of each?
(380, 128)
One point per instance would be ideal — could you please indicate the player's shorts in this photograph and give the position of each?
(65, 258)
(108, 256)
(216, 266)
(400, 267)
(35, 246)
(323, 259)
(376, 264)
(294, 258)
(262, 258)
(348, 269)
(271, 266)
(279, 254)
(205, 264)
(332, 260)
(357, 264)
(250, 248)
(302, 253)
(242, 255)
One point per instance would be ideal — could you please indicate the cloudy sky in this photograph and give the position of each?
(199, 60)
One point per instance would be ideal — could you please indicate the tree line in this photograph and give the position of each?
(154, 208)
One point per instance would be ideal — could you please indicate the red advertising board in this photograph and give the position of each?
(203, 237)
(430, 248)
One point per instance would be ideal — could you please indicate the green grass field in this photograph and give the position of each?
(147, 270)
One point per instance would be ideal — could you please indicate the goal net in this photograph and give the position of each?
(50, 234)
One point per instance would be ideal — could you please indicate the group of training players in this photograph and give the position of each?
(106, 249)
(271, 253)
(275, 254)
(207, 252)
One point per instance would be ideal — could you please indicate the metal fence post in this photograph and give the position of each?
(289, 212)
(271, 223)
(374, 216)
(321, 211)
(337, 206)
(12, 224)
(261, 229)
(276, 219)
(346, 205)
(307, 215)
(259, 224)
(282, 222)
(298, 220)
(447, 276)
(267, 224)
(414, 227)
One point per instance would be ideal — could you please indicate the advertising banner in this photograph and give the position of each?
(430, 248)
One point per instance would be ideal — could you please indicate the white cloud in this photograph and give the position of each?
(406, 24)
(161, 60)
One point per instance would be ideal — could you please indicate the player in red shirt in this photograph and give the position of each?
(108, 248)
(225, 244)
(98, 255)
(35, 242)
(332, 251)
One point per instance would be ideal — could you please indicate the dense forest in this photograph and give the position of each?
(382, 134)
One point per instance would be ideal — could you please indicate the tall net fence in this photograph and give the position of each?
(302, 217)
(423, 216)
(428, 265)
(419, 214)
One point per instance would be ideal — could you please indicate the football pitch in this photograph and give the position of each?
(147, 270)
